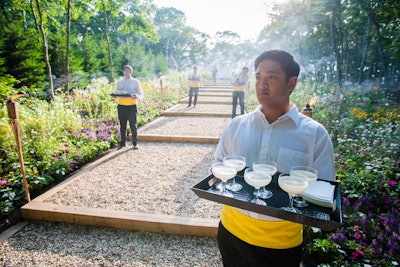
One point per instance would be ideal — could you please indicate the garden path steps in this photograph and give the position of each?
(214, 104)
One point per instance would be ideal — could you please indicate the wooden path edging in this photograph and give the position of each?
(156, 223)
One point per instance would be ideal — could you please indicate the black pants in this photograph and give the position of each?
(237, 95)
(125, 114)
(236, 252)
(194, 91)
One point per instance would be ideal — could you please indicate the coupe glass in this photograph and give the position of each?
(257, 179)
(292, 185)
(239, 163)
(268, 167)
(224, 173)
(310, 174)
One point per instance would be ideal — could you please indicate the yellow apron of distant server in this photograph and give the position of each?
(126, 101)
(238, 88)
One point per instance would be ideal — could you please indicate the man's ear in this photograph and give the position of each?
(292, 83)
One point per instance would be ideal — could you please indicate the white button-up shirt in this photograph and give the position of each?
(292, 140)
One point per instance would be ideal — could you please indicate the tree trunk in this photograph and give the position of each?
(364, 56)
(334, 42)
(67, 46)
(108, 41)
(46, 49)
(385, 75)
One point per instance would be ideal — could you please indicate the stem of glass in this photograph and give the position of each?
(223, 187)
(291, 198)
(257, 193)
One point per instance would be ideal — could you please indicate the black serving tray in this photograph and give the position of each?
(327, 219)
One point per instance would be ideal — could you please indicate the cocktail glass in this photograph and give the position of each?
(224, 173)
(292, 185)
(257, 179)
(270, 168)
(239, 163)
(310, 174)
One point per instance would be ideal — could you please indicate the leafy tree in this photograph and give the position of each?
(342, 41)
(21, 59)
(183, 46)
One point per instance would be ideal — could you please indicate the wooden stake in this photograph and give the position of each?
(13, 115)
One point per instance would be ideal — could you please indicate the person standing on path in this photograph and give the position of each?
(194, 83)
(214, 74)
(127, 106)
(275, 131)
(240, 82)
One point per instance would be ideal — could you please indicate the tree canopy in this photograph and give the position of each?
(339, 41)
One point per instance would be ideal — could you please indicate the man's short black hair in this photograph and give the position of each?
(289, 65)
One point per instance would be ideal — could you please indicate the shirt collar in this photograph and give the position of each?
(292, 114)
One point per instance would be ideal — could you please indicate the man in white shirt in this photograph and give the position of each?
(276, 131)
(240, 83)
(127, 105)
(194, 83)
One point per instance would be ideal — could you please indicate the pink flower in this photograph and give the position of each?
(356, 253)
(3, 182)
(392, 183)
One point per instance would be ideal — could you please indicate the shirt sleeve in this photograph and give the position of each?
(324, 155)
(139, 91)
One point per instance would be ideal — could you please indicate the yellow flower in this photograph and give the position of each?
(358, 113)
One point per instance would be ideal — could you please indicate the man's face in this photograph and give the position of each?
(272, 88)
(127, 72)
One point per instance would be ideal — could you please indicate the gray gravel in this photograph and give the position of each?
(187, 126)
(59, 244)
(155, 179)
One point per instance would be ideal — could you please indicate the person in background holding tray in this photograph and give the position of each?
(127, 108)
(276, 131)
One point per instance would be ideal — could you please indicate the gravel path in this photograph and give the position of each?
(186, 126)
(57, 244)
(131, 182)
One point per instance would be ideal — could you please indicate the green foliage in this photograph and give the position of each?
(6, 87)
(364, 126)
(324, 250)
(23, 57)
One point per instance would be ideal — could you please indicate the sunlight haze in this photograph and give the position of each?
(246, 18)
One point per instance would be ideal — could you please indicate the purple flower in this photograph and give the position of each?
(339, 237)
(392, 183)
